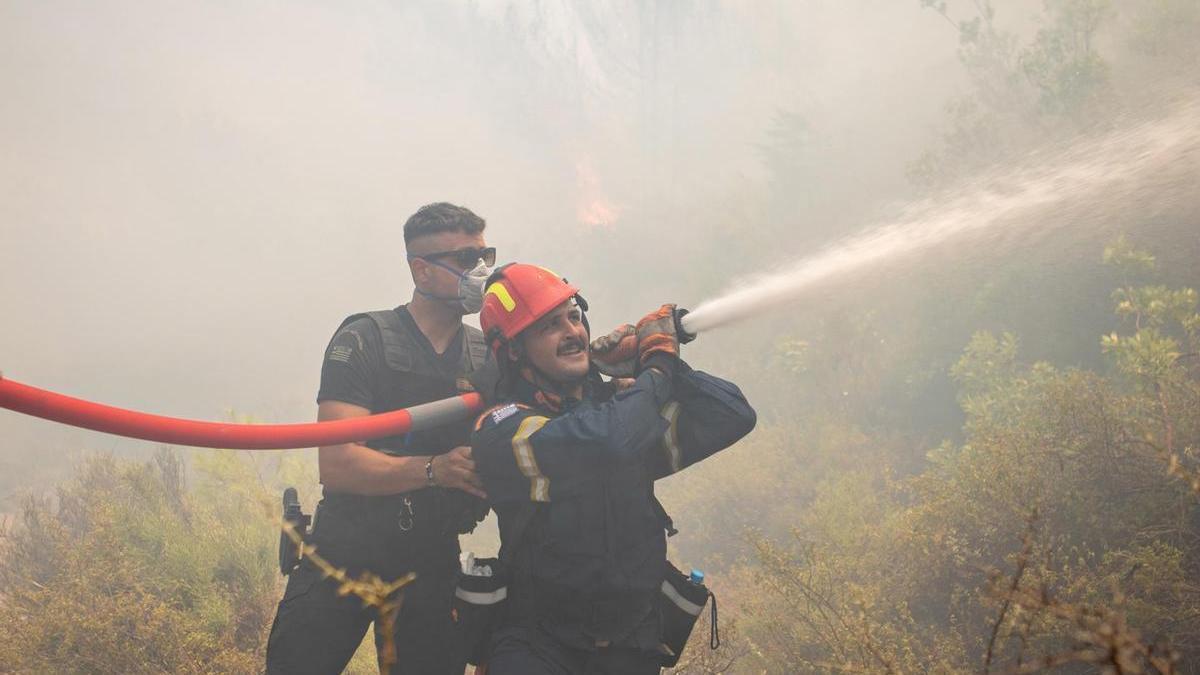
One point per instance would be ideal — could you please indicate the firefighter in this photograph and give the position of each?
(569, 464)
(397, 504)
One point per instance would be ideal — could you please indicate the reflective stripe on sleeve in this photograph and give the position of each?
(670, 413)
(539, 485)
(680, 601)
(481, 598)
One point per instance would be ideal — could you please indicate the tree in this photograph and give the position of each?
(1019, 95)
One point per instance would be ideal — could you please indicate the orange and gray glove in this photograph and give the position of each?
(616, 354)
(659, 335)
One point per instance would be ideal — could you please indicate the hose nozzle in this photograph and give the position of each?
(681, 330)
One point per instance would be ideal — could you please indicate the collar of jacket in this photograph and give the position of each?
(529, 393)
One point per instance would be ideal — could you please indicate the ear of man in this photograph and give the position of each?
(420, 270)
(516, 349)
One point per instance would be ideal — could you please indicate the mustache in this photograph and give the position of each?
(571, 343)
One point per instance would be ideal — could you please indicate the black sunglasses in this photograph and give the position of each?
(466, 258)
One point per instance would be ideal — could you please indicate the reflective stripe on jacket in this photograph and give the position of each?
(592, 469)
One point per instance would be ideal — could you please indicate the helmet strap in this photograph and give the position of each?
(554, 392)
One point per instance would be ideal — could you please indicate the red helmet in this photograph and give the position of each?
(517, 295)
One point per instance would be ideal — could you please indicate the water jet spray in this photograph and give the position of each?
(1118, 168)
(1113, 171)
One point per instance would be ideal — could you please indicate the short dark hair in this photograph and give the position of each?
(442, 217)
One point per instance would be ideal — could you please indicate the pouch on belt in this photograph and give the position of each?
(289, 551)
(682, 600)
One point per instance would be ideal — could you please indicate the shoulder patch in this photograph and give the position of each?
(343, 345)
(499, 414)
(504, 412)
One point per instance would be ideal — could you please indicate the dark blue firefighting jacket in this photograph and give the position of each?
(592, 561)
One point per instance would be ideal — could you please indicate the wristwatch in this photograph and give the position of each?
(429, 479)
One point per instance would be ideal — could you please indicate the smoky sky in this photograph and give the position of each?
(193, 194)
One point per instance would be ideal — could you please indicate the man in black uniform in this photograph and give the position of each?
(397, 504)
(569, 464)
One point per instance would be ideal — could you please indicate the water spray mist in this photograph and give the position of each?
(1114, 171)
(1111, 171)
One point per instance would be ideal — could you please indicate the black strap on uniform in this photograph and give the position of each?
(664, 518)
(714, 633)
(400, 346)
(475, 348)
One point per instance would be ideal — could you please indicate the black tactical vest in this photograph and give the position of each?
(413, 378)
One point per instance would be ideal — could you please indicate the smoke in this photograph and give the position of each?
(193, 195)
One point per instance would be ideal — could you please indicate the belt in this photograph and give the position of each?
(420, 515)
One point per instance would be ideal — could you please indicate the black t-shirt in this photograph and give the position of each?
(354, 364)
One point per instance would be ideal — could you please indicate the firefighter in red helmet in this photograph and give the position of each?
(569, 465)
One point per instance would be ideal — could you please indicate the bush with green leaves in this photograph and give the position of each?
(129, 570)
(1064, 520)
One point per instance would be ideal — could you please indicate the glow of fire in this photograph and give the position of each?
(593, 208)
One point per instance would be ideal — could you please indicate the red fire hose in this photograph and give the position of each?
(48, 405)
